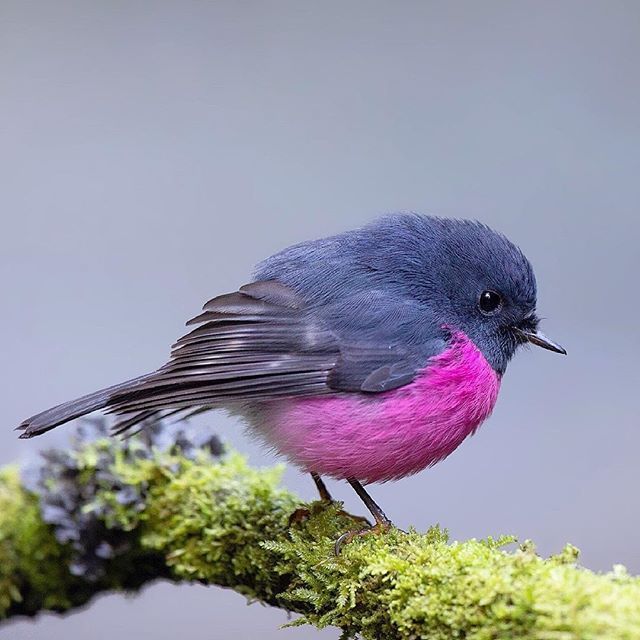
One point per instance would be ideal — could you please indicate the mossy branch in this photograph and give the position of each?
(113, 515)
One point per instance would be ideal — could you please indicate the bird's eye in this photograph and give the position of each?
(490, 303)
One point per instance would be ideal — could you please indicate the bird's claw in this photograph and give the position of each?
(377, 529)
(299, 516)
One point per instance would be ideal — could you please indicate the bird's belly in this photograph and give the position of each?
(385, 436)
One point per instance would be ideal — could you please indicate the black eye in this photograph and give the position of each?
(490, 302)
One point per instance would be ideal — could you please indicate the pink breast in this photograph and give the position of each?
(385, 436)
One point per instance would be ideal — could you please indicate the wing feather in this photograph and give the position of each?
(257, 343)
(262, 343)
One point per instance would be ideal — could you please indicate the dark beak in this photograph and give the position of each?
(539, 339)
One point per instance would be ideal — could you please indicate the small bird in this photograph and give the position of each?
(366, 356)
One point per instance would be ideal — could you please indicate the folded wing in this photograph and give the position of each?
(262, 343)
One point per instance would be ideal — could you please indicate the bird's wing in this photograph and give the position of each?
(263, 342)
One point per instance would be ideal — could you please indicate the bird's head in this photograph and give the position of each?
(490, 291)
(471, 277)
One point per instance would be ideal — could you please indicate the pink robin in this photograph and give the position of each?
(366, 356)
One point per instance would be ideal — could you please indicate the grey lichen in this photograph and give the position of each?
(187, 513)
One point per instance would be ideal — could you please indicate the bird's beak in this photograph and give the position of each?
(538, 338)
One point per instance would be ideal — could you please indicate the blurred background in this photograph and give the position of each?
(152, 152)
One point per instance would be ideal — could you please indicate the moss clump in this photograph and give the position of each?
(211, 520)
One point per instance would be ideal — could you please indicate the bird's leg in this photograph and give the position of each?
(382, 525)
(301, 514)
(325, 496)
(378, 514)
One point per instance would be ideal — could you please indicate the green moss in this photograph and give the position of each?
(210, 520)
(422, 586)
(225, 523)
(31, 560)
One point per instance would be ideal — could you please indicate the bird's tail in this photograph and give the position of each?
(51, 418)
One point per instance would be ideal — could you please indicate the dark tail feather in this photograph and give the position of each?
(54, 417)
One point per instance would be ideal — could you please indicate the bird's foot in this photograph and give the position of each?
(302, 514)
(299, 516)
(381, 527)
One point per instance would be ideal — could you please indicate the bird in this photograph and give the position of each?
(366, 356)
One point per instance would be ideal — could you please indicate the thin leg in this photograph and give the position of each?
(369, 502)
(382, 525)
(325, 496)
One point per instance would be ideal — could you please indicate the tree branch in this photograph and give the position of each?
(113, 515)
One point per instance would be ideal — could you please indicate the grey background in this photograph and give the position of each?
(151, 152)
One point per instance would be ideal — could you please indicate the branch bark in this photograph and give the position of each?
(114, 515)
